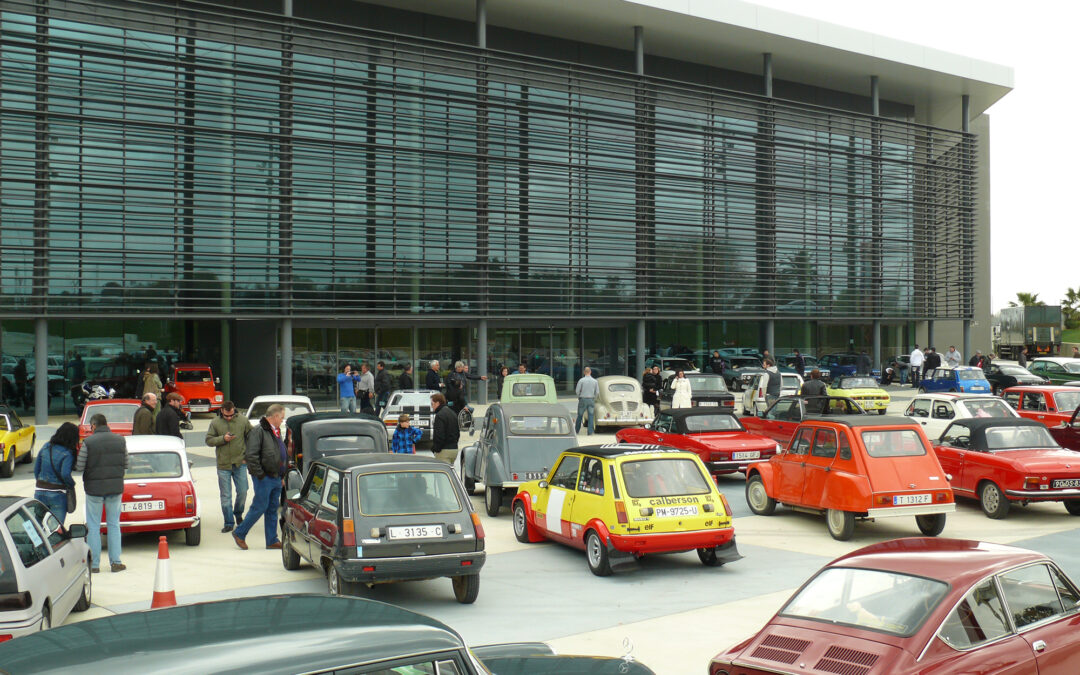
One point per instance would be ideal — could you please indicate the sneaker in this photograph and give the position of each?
(118, 567)
(227, 528)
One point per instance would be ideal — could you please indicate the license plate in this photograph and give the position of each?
(749, 454)
(1066, 483)
(140, 506)
(200, 408)
(906, 500)
(528, 475)
(421, 424)
(708, 403)
(675, 511)
(415, 532)
(626, 417)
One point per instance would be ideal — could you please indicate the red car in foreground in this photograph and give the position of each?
(714, 434)
(1068, 435)
(197, 384)
(119, 414)
(920, 605)
(1047, 404)
(159, 495)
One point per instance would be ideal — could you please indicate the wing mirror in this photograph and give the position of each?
(542, 484)
(293, 481)
(292, 495)
(77, 531)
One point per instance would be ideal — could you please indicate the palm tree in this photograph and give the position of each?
(1070, 307)
(1027, 300)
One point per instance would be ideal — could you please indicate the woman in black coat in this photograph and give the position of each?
(504, 372)
(650, 386)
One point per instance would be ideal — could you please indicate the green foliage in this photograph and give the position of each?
(1070, 307)
(1027, 300)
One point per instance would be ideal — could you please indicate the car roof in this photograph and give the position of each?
(153, 443)
(537, 377)
(683, 413)
(952, 396)
(617, 378)
(980, 423)
(7, 501)
(106, 401)
(1052, 388)
(1056, 359)
(617, 449)
(529, 408)
(426, 392)
(269, 634)
(703, 374)
(952, 560)
(200, 366)
(379, 460)
(863, 420)
(286, 398)
(297, 421)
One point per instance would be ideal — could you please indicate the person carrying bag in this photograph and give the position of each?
(55, 488)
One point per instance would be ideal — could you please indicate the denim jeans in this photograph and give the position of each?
(93, 526)
(348, 403)
(586, 406)
(264, 505)
(56, 501)
(226, 478)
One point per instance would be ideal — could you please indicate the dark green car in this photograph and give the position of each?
(1059, 370)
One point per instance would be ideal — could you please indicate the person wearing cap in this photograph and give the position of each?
(403, 442)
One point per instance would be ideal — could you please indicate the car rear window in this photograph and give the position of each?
(193, 376)
(663, 478)
(858, 383)
(1067, 400)
(700, 423)
(702, 384)
(345, 442)
(893, 443)
(618, 387)
(971, 374)
(114, 414)
(259, 409)
(790, 382)
(155, 465)
(990, 407)
(538, 425)
(529, 389)
(403, 493)
(1018, 438)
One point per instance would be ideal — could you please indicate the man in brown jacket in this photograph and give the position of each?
(144, 416)
(227, 435)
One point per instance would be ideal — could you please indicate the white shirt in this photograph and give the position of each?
(916, 358)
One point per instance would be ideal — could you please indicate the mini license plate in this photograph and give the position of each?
(708, 403)
(200, 408)
(626, 417)
(528, 475)
(144, 505)
(1066, 483)
(749, 454)
(415, 532)
(675, 511)
(907, 500)
(421, 423)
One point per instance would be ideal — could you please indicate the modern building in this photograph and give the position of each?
(279, 186)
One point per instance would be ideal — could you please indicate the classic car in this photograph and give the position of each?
(863, 389)
(284, 634)
(312, 436)
(840, 365)
(415, 402)
(1001, 376)
(1067, 434)
(1002, 461)
(855, 467)
(1047, 404)
(44, 569)
(294, 405)
(119, 415)
(809, 363)
(16, 441)
(159, 495)
(518, 442)
(529, 388)
(1056, 369)
(919, 606)
(706, 389)
(713, 434)
(621, 501)
(197, 384)
(963, 379)
(377, 518)
(121, 376)
(936, 411)
(619, 402)
(782, 418)
(753, 396)
(741, 370)
(669, 365)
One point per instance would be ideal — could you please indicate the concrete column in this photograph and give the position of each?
(930, 334)
(967, 339)
(640, 346)
(286, 7)
(875, 98)
(965, 112)
(768, 75)
(770, 337)
(225, 367)
(482, 357)
(639, 58)
(481, 24)
(876, 354)
(41, 371)
(286, 356)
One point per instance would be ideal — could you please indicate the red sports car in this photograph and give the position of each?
(714, 434)
(119, 414)
(1068, 435)
(781, 420)
(159, 495)
(1001, 460)
(1047, 404)
(923, 606)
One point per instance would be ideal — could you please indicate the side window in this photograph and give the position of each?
(781, 411)
(1030, 595)
(1034, 401)
(956, 436)
(565, 475)
(824, 443)
(1013, 399)
(54, 531)
(845, 447)
(489, 427)
(316, 484)
(980, 617)
(943, 411)
(1066, 591)
(801, 444)
(663, 423)
(920, 408)
(592, 477)
(1054, 368)
(331, 497)
(440, 667)
(29, 543)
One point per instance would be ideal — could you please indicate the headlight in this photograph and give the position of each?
(218, 397)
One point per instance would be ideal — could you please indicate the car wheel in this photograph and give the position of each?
(7, 467)
(521, 524)
(290, 559)
(29, 456)
(492, 500)
(993, 502)
(881, 411)
(193, 535)
(87, 591)
(470, 485)
(708, 557)
(757, 498)
(1073, 506)
(335, 585)
(466, 588)
(596, 554)
(841, 524)
(931, 525)
(46, 617)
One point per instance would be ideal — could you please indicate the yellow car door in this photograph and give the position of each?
(590, 500)
(554, 504)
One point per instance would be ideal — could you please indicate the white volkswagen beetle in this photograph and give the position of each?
(619, 402)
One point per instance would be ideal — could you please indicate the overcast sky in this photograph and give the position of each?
(1034, 142)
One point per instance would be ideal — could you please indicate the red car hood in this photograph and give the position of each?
(799, 648)
(732, 440)
(1041, 460)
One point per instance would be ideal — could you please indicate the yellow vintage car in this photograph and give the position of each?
(863, 389)
(621, 501)
(16, 441)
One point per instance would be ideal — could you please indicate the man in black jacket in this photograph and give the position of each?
(383, 386)
(814, 387)
(931, 361)
(405, 379)
(266, 461)
(103, 460)
(433, 381)
(717, 363)
(444, 429)
(168, 420)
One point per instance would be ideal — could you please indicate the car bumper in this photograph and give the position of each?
(20, 628)
(671, 542)
(157, 525)
(410, 568)
(916, 510)
(733, 465)
(1043, 495)
(872, 404)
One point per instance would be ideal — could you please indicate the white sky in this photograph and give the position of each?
(1033, 136)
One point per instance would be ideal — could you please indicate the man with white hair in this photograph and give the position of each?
(433, 381)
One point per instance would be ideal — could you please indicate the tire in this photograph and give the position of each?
(757, 498)
(521, 523)
(193, 535)
(7, 467)
(87, 594)
(596, 555)
(466, 588)
(1073, 506)
(29, 456)
(708, 557)
(931, 525)
(841, 524)
(46, 617)
(335, 585)
(492, 500)
(290, 559)
(881, 411)
(993, 501)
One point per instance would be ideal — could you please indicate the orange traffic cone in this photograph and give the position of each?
(164, 593)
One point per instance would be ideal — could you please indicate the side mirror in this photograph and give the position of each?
(542, 484)
(292, 495)
(294, 481)
(77, 531)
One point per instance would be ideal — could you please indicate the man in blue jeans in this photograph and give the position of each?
(226, 434)
(587, 389)
(346, 382)
(103, 461)
(266, 462)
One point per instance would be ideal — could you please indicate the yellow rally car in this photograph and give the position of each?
(16, 441)
(623, 500)
(864, 390)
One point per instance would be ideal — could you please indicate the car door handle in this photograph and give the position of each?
(1038, 646)
(61, 562)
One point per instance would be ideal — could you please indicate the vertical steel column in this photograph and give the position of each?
(644, 183)
(640, 346)
(483, 210)
(225, 367)
(286, 356)
(875, 98)
(967, 339)
(877, 205)
(965, 111)
(764, 293)
(285, 168)
(481, 24)
(639, 56)
(770, 337)
(41, 371)
(767, 74)
(482, 357)
(876, 363)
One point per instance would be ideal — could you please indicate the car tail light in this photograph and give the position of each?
(620, 512)
(727, 507)
(477, 525)
(5, 638)
(884, 499)
(369, 568)
(348, 533)
(189, 504)
(10, 601)
(466, 563)
(1032, 482)
(941, 496)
